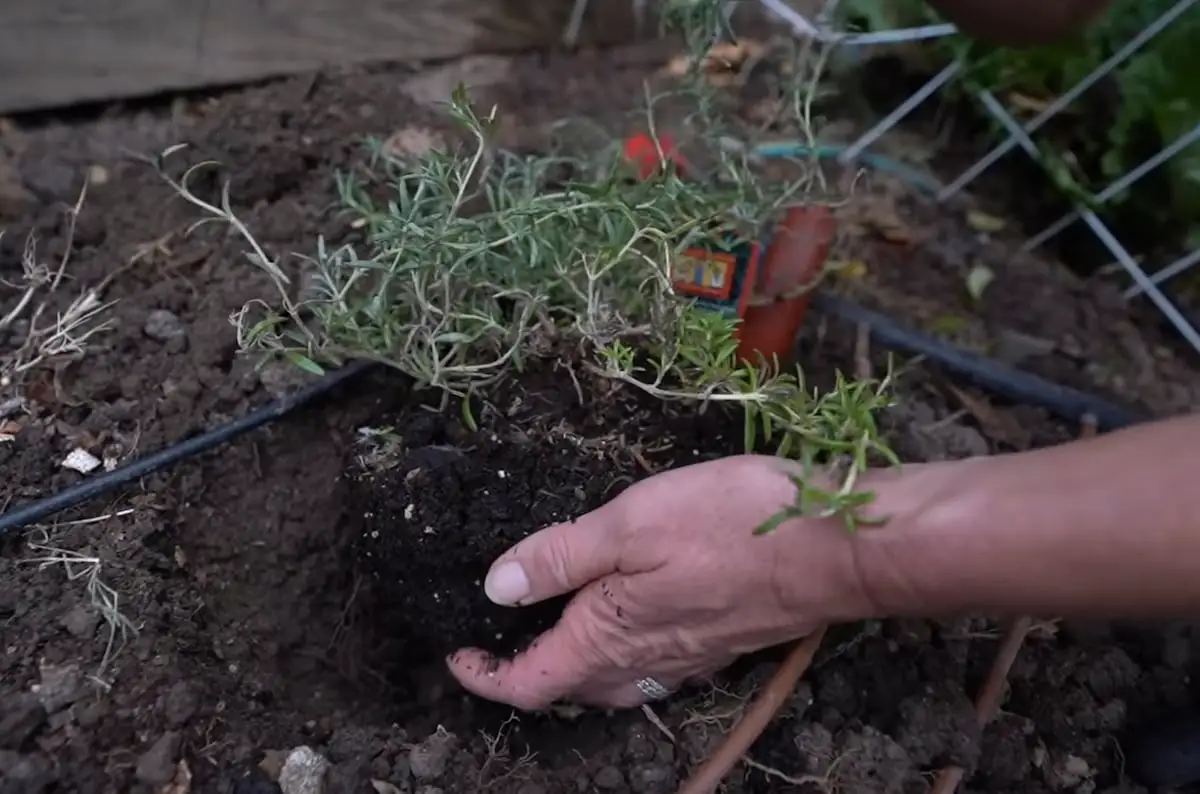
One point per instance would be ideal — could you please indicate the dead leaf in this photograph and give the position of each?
(9, 430)
(1028, 104)
(412, 142)
(722, 64)
(978, 280)
(982, 222)
(181, 783)
(948, 324)
(878, 214)
(383, 787)
(849, 269)
(996, 424)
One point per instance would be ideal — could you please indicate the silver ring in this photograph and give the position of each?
(652, 689)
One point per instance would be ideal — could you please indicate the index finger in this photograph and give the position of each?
(554, 666)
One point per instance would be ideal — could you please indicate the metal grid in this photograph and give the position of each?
(1020, 136)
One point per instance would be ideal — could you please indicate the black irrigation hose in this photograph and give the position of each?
(90, 489)
(1021, 387)
(1013, 384)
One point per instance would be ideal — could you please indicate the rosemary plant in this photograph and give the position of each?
(481, 258)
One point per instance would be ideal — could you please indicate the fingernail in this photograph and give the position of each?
(507, 584)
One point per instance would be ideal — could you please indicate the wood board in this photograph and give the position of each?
(57, 53)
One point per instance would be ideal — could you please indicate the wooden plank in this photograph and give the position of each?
(55, 53)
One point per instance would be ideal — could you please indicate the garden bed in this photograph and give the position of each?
(245, 570)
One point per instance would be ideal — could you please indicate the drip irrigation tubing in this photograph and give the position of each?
(87, 490)
(988, 374)
(1013, 384)
(993, 376)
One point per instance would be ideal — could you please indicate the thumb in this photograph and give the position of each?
(558, 559)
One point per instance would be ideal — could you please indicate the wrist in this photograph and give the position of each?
(899, 564)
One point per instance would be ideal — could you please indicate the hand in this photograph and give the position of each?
(673, 584)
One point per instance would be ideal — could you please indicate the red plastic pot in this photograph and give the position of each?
(793, 264)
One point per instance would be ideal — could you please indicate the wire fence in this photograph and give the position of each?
(1021, 136)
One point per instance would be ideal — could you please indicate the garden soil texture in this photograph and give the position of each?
(300, 586)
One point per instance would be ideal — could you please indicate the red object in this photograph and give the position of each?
(794, 261)
(641, 151)
(774, 299)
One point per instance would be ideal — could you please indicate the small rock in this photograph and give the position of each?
(427, 760)
(80, 621)
(1069, 772)
(21, 717)
(281, 378)
(652, 779)
(82, 461)
(303, 772)
(156, 767)
(163, 326)
(181, 704)
(609, 778)
(60, 686)
(429, 790)
(639, 747)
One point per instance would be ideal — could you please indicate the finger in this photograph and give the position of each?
(559, 559)
(551, 669)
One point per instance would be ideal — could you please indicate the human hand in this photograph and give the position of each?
(672, 583)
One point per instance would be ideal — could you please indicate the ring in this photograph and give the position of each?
(652, 689)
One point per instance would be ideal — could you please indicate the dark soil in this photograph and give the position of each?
(258, 622)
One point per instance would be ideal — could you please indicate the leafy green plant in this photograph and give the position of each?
(1156, 98)
(479, 260)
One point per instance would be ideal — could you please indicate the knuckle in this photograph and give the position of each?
(556, 561)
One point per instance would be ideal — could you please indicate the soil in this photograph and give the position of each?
(261, 613)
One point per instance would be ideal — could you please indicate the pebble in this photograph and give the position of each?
(156, 766)
(60, 686)
(303, 772)
(80, 621)
(427, 760)
(652, 779)
(164, 326)
(639, 746)
(609, 778)
(181, 704)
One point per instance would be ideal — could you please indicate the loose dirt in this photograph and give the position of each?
(253, 618)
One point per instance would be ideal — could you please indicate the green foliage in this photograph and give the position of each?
(1157, 94)
(475, 260)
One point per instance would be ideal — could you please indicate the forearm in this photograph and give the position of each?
(1106, 527)
(1020, 22)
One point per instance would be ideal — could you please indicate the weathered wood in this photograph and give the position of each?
(55, 53)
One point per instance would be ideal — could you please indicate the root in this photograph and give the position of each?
(708, 777)
(499, 764)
